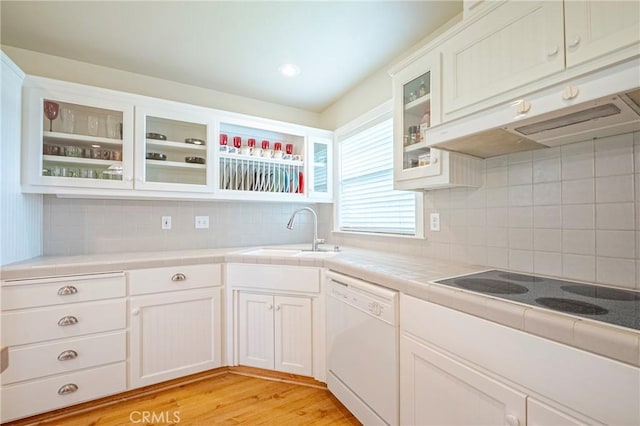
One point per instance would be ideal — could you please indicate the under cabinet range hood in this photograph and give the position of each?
(601, 104)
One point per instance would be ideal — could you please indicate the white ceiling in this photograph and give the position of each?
(234, 47)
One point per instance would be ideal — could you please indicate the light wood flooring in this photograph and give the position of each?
(224, 399)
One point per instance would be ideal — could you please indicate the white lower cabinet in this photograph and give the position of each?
(457, 369)
(437, 390)
(174, 334)
(275, 332)
(67, 342)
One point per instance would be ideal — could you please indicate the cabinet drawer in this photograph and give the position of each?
(63, 356)
(36, 325)
(58, 290)
(157, 280)
(38, 396)
(274, 277)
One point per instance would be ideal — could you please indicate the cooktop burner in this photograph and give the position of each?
(614, 306)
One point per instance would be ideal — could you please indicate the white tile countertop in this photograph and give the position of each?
(413, 276)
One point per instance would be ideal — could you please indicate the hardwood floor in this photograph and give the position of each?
(225, 399)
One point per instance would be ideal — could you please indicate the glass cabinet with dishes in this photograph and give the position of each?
(417, 107)
(266, 162)
(172, 148)
(79, 140)
(320, 167)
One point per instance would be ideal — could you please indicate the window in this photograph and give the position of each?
(367, 201)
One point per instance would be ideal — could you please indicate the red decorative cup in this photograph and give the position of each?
(251, 143)
(265, 144)
(237, 141)
(289, 148)
(223, 139)
(277, 146)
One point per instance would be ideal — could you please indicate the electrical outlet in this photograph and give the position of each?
(202, 222)
(434, 222)
(166, 222)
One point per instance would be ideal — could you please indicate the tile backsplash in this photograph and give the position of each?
(86, 226)
(571, 211)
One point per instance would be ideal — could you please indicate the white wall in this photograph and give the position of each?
(20, 215)
(40, 64)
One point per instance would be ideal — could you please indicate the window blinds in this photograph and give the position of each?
(367, 200)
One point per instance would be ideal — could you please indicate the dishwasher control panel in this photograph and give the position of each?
(379, 307)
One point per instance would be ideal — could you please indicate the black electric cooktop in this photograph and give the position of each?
(619, 307)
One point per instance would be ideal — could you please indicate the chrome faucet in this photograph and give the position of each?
(316, 241)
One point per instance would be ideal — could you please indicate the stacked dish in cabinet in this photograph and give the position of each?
(175, 151)
(81, 142)
(260, 160)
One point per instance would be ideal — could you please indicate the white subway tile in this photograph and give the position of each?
(497, 197)
(521, 238)
(579, 216)
(520, 217)
(580, 191)
(620, 244)
(497, 217)
(619, 216)
(579, 241)
(618, 272)
(477, 236)
(547, 170)
(546, 263)
(613, 189)
(498, 257)
(497, 177)
(521, 157)
(520, 173)
(578, 160)
(614, 155)
(547, 193)
(498, 237)
(494, 162)
(476, 217)
(521, 260)
(521, 195)
(547, 240)
(579, 267)
(547, 217)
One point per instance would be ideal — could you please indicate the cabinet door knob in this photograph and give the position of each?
(553, 52)
(277, 307)
(67, 320)
(512, 420)
(269, 306)
(68, 388)
(570, 92)
(575, 41)
(67, 355)
(67, 289)
(523, 107)
(135, 312)
(178, 277)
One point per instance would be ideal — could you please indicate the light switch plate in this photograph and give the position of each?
(202, 222)
(166, 222)
(434, 222)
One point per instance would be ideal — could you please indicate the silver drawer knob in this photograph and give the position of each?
(67, 289)
(67, 355)
(68, 320)
(178, 277)
(67, 389)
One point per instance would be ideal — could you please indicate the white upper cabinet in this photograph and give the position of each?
(320, 167)
(74, 137)
(597, 28)
(416, 105)
(173, 148)
(515, 44)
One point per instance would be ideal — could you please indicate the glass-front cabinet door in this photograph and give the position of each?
(260, 161)
(416, 108)
(320, 168)
(75, 140)
(172, 149)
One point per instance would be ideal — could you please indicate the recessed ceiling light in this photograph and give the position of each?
(289, 70)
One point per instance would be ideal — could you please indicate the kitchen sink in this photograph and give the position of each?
(289, 252)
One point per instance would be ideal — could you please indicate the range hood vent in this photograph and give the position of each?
(569, 119)
(609, 104)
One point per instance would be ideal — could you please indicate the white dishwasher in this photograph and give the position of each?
(362, 348)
